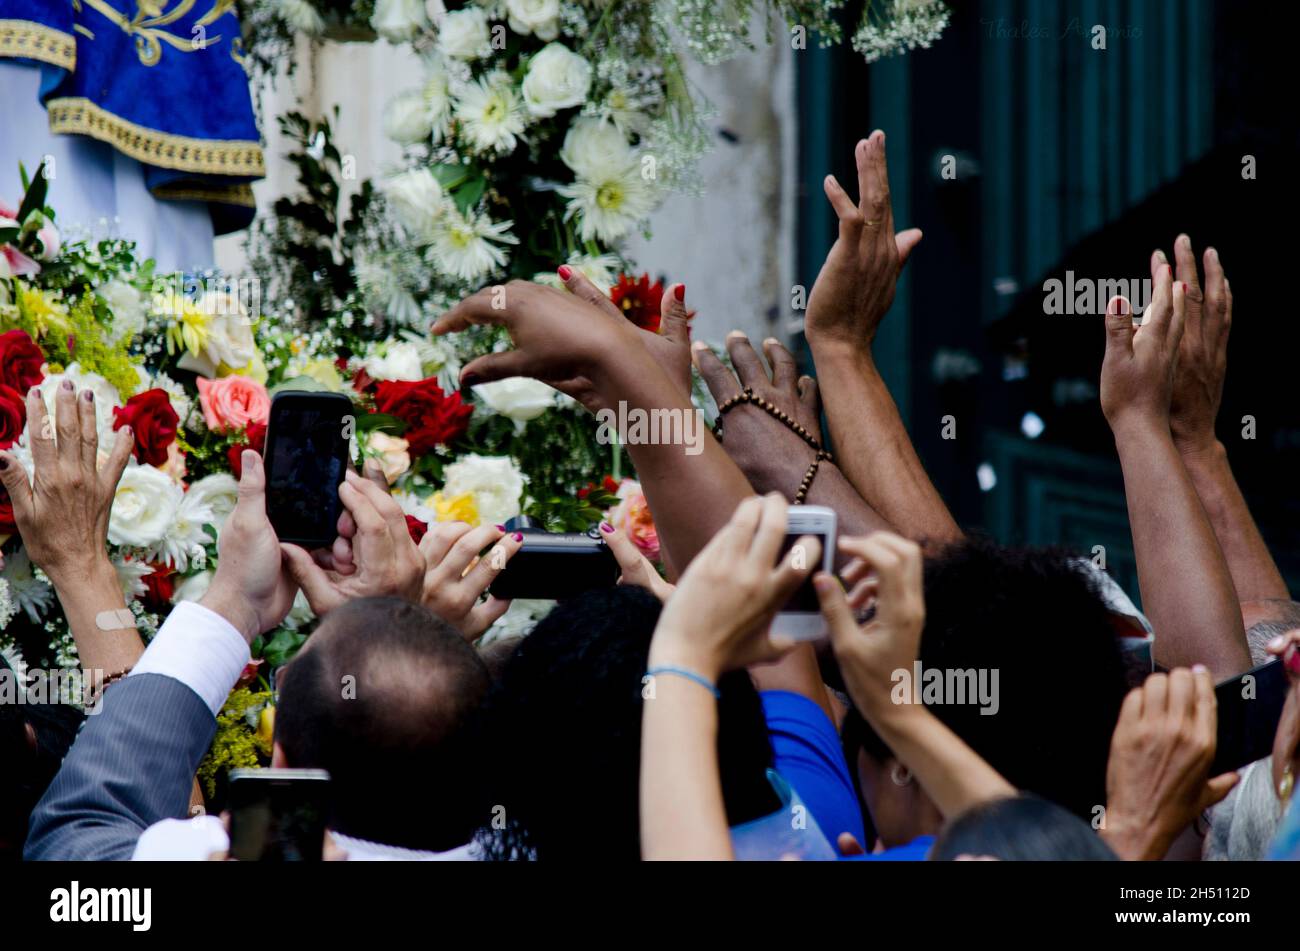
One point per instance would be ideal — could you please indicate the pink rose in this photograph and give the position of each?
(233, 403)
(632, 515)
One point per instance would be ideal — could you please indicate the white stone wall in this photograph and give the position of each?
(733, 246)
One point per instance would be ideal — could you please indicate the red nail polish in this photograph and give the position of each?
(565, 272)
(519, 536)
(606, 527)
(1293, 660)
(500, 528)
(680, 292)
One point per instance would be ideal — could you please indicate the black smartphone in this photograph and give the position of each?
(306, 456)
(1250, 706)
(555, 566)
(278, 815)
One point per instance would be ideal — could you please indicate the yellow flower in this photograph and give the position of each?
(255, 370)
(325, 373)
(188, 329)
(266, 727)
(44, 311)
(460, 508)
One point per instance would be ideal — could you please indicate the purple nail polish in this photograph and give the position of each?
(500, 528)
(606, 527)
(67, 384)
(519, 536)
(88, 395)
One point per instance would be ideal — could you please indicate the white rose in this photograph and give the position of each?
(219, 492)
(192, 588)
(398, 361)
(406, 118)
(399, 20)
(539, 17)
(519, 398)
(127, 306)
(301, 15)
(593, 146)
(557, 79)
(495, 482)
(463, 34)
(106, 398)
(416, 199)
(144, 507)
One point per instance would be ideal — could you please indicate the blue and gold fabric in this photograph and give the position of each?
(159, 80)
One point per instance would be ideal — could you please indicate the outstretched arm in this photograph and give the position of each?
(1186, 589)
(853, 291)
(1198, 392)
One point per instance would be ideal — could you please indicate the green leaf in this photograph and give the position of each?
(279, 650)
(34, 199)
(382, 422)
(8, 234)
(467, 195)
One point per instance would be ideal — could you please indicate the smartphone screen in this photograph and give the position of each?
(307, 449)
(1250, 706)
(278, 815)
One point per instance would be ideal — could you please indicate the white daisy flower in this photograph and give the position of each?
(26, 591)
(186, 537)
(463, 245)
(609, 203)
(491, 113)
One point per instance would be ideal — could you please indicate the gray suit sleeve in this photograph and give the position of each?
(132, 765)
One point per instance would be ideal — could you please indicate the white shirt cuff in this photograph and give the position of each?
(199, 648)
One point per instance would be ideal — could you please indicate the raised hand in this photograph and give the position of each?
(1157, 779)
(385, 560)
(1203, 350)
(670, 347)
(1286, 742)
(890, 568)
(719, 616)
(856, 284)
(250, 588)
(771, 455)
(62, 513)
(456, 576)
(1137, 373)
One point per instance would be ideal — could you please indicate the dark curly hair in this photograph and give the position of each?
(1036, 617)
(561, 736)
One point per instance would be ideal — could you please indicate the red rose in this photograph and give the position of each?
(430, 415)
(255, 439)
(417, 528)
(13, 415)
(153, 422)
(362, 381)
(20, 361)
(159, 586)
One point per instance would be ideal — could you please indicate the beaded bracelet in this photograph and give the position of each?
(747, 395)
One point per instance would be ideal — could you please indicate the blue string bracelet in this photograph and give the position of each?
(688, 674)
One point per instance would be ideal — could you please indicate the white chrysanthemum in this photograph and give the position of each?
(301, 15)
(385, 291)
(609, 203)
(467, 246)
(144, 507)
(413, 505)
(437, 97)
(417, 201)
(8, 607)
(300, 614)
(541, 18)
(557, 79)
(600, 269)
(491, 113)
(406, 118)
(13, 656)
(495, 482)
(127, 306)
(518, 621)
(219, 492)
(518, 398)
(186, 536)
(31, 595)
(437, 358)
(131, 573)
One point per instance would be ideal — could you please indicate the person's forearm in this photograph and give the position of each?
(1254, 573)
(872, 446)
(1186, 589)
(86, 597)
(854, 515)
(692, 496)
(682, 812)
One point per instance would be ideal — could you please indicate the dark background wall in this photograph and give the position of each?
(1070, 158)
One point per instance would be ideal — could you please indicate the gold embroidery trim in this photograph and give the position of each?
(224, 194)
(80, 116)
(26, 40)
